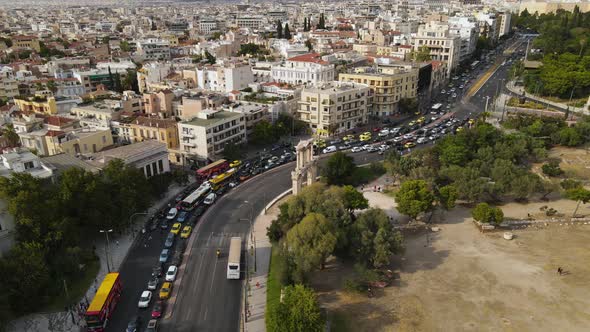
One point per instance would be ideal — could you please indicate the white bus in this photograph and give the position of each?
(233, 262)
(436, 107)
(192, 200)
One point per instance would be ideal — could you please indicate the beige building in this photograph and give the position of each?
(544, 7)
(388, 86)
(158, 103)
(144, 128)
(205, 136)
(443, 45)
(334, 107)
(31, 42)
(79, 141)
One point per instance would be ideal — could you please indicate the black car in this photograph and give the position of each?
(222, 190)
(199, 210)
(134, 324)
(164, 224)
(157, 270)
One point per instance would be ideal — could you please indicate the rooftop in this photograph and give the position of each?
(61, 162)
(129, 153)
(309, 57)
(215, 118)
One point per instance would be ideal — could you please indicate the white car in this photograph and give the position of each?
(395, 130)
(171, 274)
(365, 147)
(398, 139)
(357, 149)
(443, 91)
(145, 299)
(383, 133)
(172, 214)
(421, 140)
(408, 136)
(454, 95)
(210, 199)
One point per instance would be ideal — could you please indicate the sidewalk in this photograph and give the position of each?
(256, 283)
(519, 90)
(72, 321)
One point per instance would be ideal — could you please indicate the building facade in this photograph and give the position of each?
(304, 69)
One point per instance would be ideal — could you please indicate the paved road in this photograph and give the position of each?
(206, 300)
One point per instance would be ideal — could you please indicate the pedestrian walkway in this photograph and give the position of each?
(561, 106)
(257, 280)
(72, 320)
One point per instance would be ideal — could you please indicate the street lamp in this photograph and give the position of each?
(106, 233)
(252, 238)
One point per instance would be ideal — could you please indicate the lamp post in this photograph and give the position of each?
(252, 238)
(106, 233)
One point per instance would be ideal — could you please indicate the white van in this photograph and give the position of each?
(210, 199)
(331, 148)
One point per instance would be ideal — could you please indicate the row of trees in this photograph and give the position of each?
(54, 222)
(283, 33)
(265, 132)
(552, 131)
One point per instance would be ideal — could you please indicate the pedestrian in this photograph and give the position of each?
(117, 242)
(559, 271)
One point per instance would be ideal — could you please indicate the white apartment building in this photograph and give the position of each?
(253, 113)
(252, 22)
(152, 73)
(225, 77)
(467, 28)
(504, 23)
(205, 136)
(488, 25)
(442, 44)
(334, 107)
(8, 85)
(153, 49)
(208, 25)
(303, 69)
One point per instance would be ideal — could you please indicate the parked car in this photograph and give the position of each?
(171, 273)
(172, 214)
(134, 324)
(186, 232)
(357, 149)
(383, 133)
(182, 216)
(157, 270)
(329, 149)
(210, 199)
(164, 255)
(176, 228)
(158, 309)
(153, 283)
(165, 290)
(152, 326)
(169, 241)
(199, 210)
(235, 163)
(145, 299)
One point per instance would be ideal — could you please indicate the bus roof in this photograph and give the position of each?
(103, 293)
(212, 165)
(235, 248)
(203, 189)
(223, 176)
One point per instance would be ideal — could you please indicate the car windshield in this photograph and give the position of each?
(144, 298)
(165, 289)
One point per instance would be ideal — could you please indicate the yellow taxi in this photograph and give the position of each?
(348, 137)
(235, 163)
(409, 145)
(186, 232)
(422, 119)
(320, 143)
(165, 290)
(411, 123)
(459, 129)
(365, 137)
(471, 121)
(176, 228)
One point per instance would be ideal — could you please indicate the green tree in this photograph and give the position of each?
(487, 214)
(309, 45)
(552, 168)
(568, 184)
(413, 198)
(408, 105)
(263, 133)
(373, 240)
(310, 243)
(338, 168)
(287, 33)
(130, 81)
(11, 135)
(210, 58)
(232, 151)
(353, 199)
(298, 312)
(322, 22)
(422, 55)
(579, 194)
(279, 29)
(447, 196)
(125, 46)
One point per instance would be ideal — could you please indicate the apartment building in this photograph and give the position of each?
(46, 104)
(153, 49)
(8, 84)
(145, 128)
(303, 69)
(252, 22)
(158, 103)
(387, 85)
(205, 136)
(152, 73)
(334, 107)
(209, 25)
(98, 115)
(442, 44)
(224, 77)
(79, 141)
(253, 114)
(504, 23)
(93, 78)
(467, 28)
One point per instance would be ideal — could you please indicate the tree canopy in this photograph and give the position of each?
(338, 168)
(298, 312)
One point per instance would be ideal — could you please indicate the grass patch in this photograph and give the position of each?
(76, 288)
(366, 174)
(274, 283)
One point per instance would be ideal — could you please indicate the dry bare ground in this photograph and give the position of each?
(461, 280)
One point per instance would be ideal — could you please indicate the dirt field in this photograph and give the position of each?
(574, 161)
(460, 280)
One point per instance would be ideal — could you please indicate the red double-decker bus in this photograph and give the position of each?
(101, 308)
(216, 167)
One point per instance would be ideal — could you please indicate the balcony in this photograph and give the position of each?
(185, 135)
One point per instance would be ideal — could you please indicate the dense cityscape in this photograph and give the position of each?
(404, 165)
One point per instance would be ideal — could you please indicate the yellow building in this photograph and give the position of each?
(387, 88)
(79, 141)
(144, 128)
(26, 42)
(37, 104)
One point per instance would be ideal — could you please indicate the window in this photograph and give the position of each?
(148, 171)
(29, 165)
